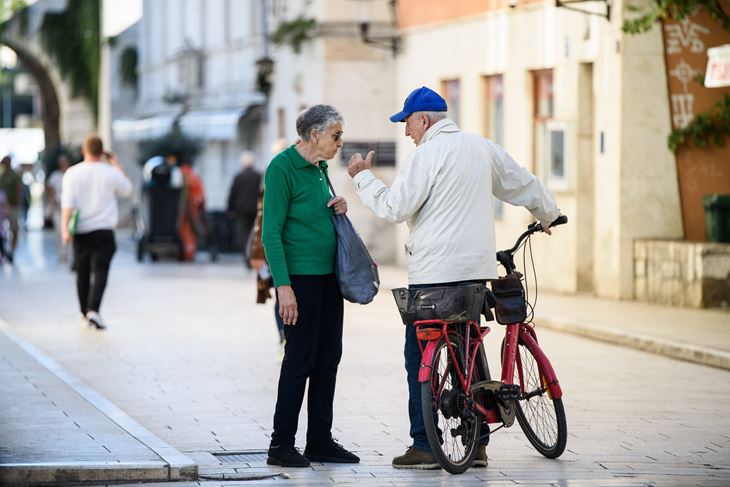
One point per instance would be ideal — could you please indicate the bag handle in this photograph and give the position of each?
(329, 183)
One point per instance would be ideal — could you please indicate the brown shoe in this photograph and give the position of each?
(416, 460)
(481, 460)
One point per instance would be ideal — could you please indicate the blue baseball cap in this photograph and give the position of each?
(420, 100)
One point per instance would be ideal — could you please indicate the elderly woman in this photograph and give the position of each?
(299, 240)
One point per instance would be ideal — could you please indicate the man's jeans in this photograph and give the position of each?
(412, 354)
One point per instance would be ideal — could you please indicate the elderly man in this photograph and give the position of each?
(299, 241)
(444, 191)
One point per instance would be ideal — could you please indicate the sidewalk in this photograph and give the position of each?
(57, 431)
(695, 335)
(192, 359)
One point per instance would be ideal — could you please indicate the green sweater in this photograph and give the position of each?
(298, 233)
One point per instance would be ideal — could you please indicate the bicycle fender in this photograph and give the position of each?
(546, 369)
(425, 370)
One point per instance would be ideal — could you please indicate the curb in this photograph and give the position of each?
(172, 466)
(710, 357)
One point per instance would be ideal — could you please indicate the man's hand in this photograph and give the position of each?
(287, 305)
(357, 163)
(339, 203)
(65, 236)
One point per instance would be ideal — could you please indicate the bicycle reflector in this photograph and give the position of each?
(428, 333)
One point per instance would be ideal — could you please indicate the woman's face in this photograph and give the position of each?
(329, 141)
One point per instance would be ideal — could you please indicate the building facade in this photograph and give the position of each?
(576, 101)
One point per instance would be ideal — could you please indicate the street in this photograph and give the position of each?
(190, 356)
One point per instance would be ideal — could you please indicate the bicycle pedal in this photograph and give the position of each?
(508, 392)
(487, 385)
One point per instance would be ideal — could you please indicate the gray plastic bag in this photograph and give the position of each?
(356, 271)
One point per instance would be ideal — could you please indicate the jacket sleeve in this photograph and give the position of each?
(406, 195)
(276, 207)
(518, 186)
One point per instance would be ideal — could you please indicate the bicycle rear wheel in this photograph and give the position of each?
(451, 426)
(541, 417)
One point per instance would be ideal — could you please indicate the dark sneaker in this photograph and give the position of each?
(416, 459)
(330, 452)
(481, 460)
(286, 456)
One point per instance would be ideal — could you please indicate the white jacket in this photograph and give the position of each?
(444, 190)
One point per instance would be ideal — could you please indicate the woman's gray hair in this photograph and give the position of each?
(317, 117)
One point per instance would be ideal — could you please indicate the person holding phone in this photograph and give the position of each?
(91, 188)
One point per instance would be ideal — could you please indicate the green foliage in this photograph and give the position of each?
(712, 126)
(672, 9)
(128, 66)
(174, 142)
(294, 32)
(72, 38)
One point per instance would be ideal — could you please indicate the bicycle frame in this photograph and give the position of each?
(433, 330)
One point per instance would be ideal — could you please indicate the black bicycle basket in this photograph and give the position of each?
(511, 305)
(449, 303)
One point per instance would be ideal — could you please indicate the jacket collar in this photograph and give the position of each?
(445, 125)
(300, 162)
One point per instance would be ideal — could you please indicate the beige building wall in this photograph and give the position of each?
(608, 87)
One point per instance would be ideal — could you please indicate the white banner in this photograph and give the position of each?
(718, 67)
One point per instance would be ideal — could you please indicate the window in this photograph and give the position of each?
(494, 113)
(542, 82)
(451, 91)
(384, 152)
(494, 121)
(556, 155)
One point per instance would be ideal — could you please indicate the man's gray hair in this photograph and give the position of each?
(434, 116)
(317, 117)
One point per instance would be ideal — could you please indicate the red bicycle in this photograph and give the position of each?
(458, 396)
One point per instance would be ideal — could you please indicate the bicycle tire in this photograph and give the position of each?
(445, 416)
(541, 417)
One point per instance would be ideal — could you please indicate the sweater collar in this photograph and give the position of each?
(300, 162)
(444, 125)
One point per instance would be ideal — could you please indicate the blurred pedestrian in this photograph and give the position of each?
(299, 240)
(91, 188)
(193, 209)
(54, 188)
(264, 281)
(242, 199)
(12, 185)
(3, 211)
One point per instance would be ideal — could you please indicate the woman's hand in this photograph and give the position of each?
(339, 203)
(287, 305)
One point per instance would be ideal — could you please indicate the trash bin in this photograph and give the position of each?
(717, 217)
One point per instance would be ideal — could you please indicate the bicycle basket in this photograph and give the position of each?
(448, 303)
(510, 296)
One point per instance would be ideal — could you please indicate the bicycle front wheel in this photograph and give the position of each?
(541, 417)
(451, 426)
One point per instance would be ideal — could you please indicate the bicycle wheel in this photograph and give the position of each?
(452, 428)
(541, 417)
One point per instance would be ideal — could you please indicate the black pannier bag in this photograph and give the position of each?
(510, 295)
(448, 303)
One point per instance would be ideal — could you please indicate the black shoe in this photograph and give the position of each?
(331, 452)
(286, 456)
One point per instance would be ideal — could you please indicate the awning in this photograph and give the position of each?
(212, 125)
(142, 128)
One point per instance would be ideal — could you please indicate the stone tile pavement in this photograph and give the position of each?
(191, 358)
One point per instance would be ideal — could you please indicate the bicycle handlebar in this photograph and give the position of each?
(505, 257)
